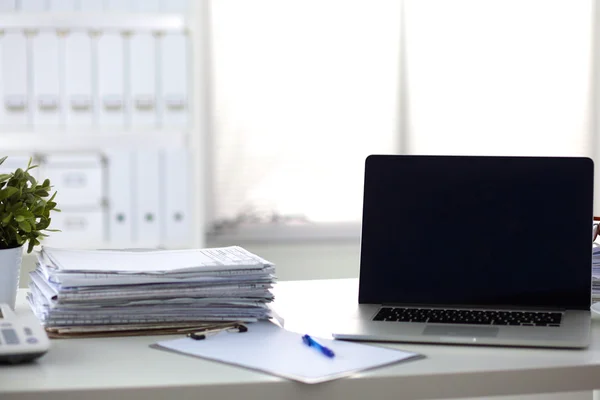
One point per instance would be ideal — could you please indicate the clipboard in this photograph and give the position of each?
(268, 348)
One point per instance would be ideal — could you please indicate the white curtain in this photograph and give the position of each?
(304, 90)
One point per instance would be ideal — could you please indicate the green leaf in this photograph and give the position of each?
(24, 225)
(7, 192)
(7, 219)
(17, 206)
(24, 211)
(2, 159)
(43, 224)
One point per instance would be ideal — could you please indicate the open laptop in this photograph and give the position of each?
(475, 250)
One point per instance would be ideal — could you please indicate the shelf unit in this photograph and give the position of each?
(37, 139)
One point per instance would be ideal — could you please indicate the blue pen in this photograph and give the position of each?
(312, 343)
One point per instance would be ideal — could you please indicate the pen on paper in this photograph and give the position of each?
(313, 343)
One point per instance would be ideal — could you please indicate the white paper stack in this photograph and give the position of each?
(95, 289)
(595, 272)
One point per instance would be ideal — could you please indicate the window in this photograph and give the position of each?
(304, 90)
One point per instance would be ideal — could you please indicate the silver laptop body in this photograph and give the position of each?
(475, 250)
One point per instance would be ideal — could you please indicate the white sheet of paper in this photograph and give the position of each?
(268, 348)
(161, 261)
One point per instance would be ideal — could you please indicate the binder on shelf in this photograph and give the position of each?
(8, 5)
(46, 79)
(78, 228)
(174, 80)
(78, 103)
(62, 5)
(174, 6)
(77, 179)
(118, 5)
(91, 5)
(34, 5)
(142, 74)
(120, 203)
(147, 6)
(14, 79)
(175, 210)
(146, 224)
(111, 80)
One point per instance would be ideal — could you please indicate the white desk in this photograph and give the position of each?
(125, 368)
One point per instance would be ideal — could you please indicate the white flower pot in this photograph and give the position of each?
(10, 270)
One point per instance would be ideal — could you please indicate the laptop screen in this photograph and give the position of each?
(477, 231)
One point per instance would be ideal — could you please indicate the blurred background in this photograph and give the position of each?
(177, 124)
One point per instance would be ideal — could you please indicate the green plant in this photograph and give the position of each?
(24, 208)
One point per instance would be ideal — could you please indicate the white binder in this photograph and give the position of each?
(34, 5)
(14, 90)
(120, 165)
(111, 80)
(175, 187)
(174, 80)
(62, 5)
(8, 5)
(78, 179)
(78, 101)
(78, 228)
(146, 224)
(91, 5)
(148, 6)
(118, 5)
(142, 73)
(46, 79)
(174, 6)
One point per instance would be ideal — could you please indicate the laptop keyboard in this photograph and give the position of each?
(474, 317)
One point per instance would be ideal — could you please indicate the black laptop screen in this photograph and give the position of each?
(477, 231)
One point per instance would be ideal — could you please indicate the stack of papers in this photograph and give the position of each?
(595, 272)
(96, 291)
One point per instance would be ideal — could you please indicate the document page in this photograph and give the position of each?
(160, 261)
(268, 348)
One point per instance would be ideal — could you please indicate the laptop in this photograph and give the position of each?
(481, 250)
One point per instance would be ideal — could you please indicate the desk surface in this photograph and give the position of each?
(126, 368)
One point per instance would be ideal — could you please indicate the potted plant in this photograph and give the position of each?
(25, 207)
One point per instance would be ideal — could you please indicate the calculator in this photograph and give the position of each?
(22, 338)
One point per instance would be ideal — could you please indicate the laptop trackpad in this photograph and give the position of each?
(453, 330)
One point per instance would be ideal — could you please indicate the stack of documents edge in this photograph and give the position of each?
(595, 272)
(95, 292)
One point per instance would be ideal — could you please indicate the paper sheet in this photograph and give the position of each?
(160, 262)
(268, 348)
